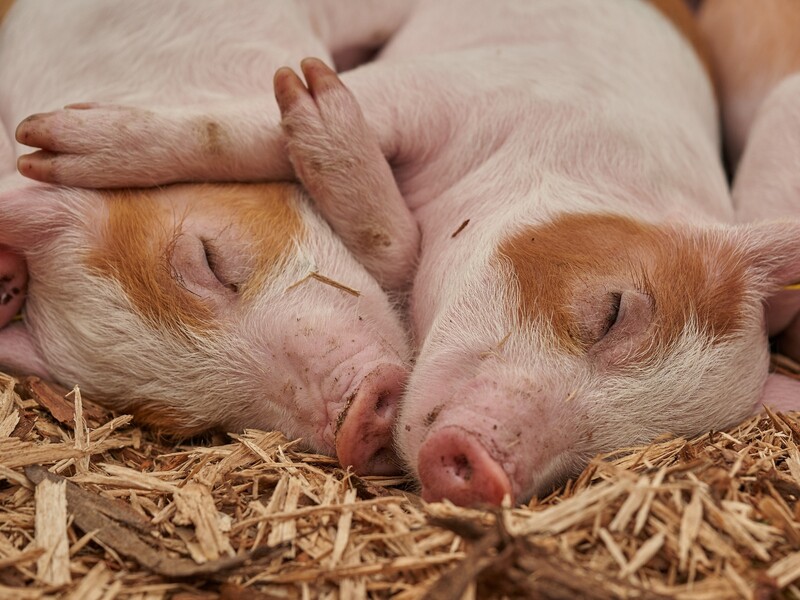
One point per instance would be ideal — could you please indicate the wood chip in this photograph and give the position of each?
(251, 515)
(51, 532)
(195, 505)
(689, 528)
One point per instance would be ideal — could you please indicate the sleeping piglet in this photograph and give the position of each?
(755, 48)
(580, 286)
(194, 306)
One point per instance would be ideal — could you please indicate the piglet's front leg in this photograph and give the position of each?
(109, 145)
(338, 158)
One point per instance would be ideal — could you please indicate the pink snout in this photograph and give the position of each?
(454, 465)
(13, 281)
(364, 437)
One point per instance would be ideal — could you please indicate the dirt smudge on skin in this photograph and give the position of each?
(343, 414)
(213, 138)
(431, 417)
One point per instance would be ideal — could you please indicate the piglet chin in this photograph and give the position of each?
(364, 428)
(454, 465)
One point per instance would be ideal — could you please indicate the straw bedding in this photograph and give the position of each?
(93, 507)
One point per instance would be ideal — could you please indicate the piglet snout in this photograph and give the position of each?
(454, 464)
(13, 281)
(364, 435)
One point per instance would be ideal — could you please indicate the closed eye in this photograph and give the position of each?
(627, 317)
(212, 261)
(613, 313)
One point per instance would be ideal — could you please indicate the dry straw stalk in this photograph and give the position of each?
(93, 507)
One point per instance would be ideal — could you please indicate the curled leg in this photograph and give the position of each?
(338, 158)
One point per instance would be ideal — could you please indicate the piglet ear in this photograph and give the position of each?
(772, 250)
(30, 212)
(19, 353)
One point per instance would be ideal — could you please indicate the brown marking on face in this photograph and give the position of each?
(567, 260)
(141, 228)
(680, 15)
(135, 252)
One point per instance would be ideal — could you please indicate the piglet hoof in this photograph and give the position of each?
(454, 465)
(364, 435)
(336, 155)
(97, 145)
(13, 281)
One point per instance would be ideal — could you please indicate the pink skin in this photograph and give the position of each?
(780, 393)
(482, 147)
(297, 354)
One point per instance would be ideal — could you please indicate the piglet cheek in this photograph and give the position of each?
(626, 338)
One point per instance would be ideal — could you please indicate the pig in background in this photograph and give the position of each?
(193, 306)
(580, 284)
(755, 51)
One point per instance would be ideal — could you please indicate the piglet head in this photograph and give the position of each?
(586, 334)
(207, 306)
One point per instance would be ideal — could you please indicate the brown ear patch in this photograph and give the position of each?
(141, 225)
(688, 275)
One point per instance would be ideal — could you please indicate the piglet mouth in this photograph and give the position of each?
(363, 437)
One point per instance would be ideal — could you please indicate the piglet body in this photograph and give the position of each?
(192, 306)
(579, 287)
(756, 54)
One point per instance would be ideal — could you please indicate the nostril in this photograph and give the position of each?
(461, 467)
(385, 404)
(453, 464)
